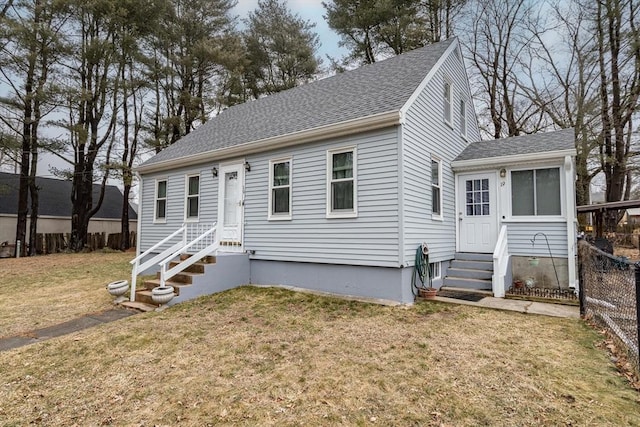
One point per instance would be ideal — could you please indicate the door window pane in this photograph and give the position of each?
(477, 197)
(231, 199)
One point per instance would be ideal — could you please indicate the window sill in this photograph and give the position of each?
(450, 124)
(193, 219)
(547, 219)
(160, 221)
(337, 215)
(279, 218)
(437, 217)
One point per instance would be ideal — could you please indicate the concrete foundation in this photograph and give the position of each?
(392, 284)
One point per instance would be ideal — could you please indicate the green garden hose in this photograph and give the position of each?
(421, 269)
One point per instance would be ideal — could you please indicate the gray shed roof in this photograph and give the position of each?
(372, 89)
(520, 145)
(55, 198)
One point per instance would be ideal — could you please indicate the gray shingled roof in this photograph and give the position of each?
(520, 145)
(55, 198)
(372, 89)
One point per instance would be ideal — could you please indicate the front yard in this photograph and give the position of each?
(255, 356)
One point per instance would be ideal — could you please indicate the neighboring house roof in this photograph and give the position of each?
(54, 198)
(524, 145)
(633, 212)
(383, 87)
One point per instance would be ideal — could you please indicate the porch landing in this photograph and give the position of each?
(527, 307)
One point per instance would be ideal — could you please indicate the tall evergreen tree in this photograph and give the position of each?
(281, 49)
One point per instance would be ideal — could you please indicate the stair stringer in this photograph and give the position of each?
(229, 271)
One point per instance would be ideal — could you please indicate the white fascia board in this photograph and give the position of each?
(427, 78)
(349, 127)
(489, 162)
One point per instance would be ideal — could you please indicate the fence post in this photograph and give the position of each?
(637, 267)
(581, 282)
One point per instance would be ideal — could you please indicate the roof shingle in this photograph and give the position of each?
(55, 198)
(372, 89)
(520, 145)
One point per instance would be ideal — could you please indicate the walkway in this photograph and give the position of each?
(65, 328)
(531, 307)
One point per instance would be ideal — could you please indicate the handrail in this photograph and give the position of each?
(136, 261)
(500, 263)
(167, 274)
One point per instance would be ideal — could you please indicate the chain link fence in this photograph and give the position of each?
(609, 291)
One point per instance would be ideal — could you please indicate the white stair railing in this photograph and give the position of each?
(137, 267)
(207, 242)
(500, 263)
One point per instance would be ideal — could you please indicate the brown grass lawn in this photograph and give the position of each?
(256, 356)
(42, 291)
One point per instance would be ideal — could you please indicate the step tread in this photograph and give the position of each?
(471, 291)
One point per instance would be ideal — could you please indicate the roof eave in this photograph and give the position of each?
(349, 127)
(488, 162)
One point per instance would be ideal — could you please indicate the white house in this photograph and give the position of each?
(334, 185)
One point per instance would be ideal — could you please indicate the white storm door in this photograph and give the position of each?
(231, 203)
(477, 215)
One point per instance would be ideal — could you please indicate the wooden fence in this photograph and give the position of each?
(51, 243)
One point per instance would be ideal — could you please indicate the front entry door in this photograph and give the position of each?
(477, 215)
(231, 204)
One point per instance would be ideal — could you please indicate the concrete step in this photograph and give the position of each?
(473, 256)
(140, 306)
(469, 273)
(471, 265)
(144, 296)
(184, 277)
(465, 283)
(488, 293)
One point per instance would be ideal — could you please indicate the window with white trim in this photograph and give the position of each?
(280, 189)
(341, 183)
(434, 270)
(535, 192)
(436, 187)
(463, 118)
(447, 102)
(193, 197)
(161, 200)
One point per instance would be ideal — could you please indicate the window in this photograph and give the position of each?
(477, 197)
(463, 118)
(436, 187)
(341, 183)
(434, 270)
(535, 192)
(193, 196)
(447, 102)
(161, 200)
(280, 189)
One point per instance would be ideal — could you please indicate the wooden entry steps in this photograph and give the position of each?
(143, 300)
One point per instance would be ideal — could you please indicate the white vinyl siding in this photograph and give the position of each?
(342, 184)
(280, 174)
(520, 236)
(423, 134)
(192, 199)
(150, 232)
(160, 201)
(370, 239)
